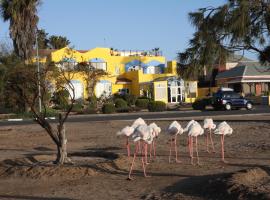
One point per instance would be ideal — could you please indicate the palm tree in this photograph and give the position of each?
(23, 19)
(58, 42)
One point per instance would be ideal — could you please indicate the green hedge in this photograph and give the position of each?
(108, 108)
(156, 106)
(77, 107)
(120, 103)
(142, 103)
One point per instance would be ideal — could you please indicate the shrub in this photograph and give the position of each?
(61, 99)
(77, 107)
(124, 109)
(92, 102)
(50, 112)
(130, 99)
(201, 104)
(108, 108)
(120, 103)
(156, 106)
(142, 103)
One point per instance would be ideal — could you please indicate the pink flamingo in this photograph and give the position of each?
(127, 132)
(142, 133)
(194, 131)
(138, 122)
(173, 130)
(189, 137)
(222, 130)
(156, 131)
(209, 124)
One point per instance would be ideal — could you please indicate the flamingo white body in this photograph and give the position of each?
(138, 122)
(223, 129)
(194, 130)
(127, 132)
(173, 130)
(142, 133)
(208, 124)
(156, 131)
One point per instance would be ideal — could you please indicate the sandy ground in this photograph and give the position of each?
(101, 165)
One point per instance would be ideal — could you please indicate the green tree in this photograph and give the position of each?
(43, 41)
(58, 42)
(235, 26)
(92, 76)
(23, 19)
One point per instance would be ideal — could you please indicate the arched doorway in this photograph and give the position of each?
(103, 87)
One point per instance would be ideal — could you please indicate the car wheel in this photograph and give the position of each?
(228, 106)
(249, 106)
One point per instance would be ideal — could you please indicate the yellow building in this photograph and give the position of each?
(135, 72)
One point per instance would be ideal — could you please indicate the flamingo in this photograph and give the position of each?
(142, 133)
(173, 130)
(223, 129)
(156, 131)
(189, 138)
(138, 122)
(209, 124)
(127, 132)
(194, 130)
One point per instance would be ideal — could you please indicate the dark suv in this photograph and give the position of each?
(229, 99)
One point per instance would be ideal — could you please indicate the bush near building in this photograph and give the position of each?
(142, 103)
(120, 103)
(108, 108)
(156, 106)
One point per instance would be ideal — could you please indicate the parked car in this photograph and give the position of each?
(228, 100)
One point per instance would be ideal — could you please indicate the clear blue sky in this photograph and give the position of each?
(121, 24)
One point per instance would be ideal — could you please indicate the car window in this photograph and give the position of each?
(235, 95)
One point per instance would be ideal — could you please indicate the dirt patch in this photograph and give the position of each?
(41, 167)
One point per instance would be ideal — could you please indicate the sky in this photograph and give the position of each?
(121, 24)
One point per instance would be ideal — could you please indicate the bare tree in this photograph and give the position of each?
(23, 80)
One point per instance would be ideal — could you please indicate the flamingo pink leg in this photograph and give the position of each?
(207, 133)
(150, 152)
(213, 147)
(128, 147)
(144, 170)
(222, 148)
(131, 167)
(145, 153)
(175, 149)
(154, 146)
(170, 150)
(191, 149)
(198, 161)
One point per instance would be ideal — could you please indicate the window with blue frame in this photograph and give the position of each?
(98, 63)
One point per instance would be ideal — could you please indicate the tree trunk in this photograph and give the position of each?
(62, 147)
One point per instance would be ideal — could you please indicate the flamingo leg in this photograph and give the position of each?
(150, 152)
(145, 153)
(170, 150)
(213, 147)
(198, 161)
(222, 148)
(128, 147)
(175, 149)
(207, 133)
(154, 146)
(191, 149)
(144, 170)
(134, 157)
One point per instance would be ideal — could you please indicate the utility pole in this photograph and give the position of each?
(38, 73)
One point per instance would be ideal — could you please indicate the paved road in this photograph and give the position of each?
(180, 115)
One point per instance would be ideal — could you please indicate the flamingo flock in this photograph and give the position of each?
(144, 136)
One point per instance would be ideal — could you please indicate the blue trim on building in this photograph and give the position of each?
(97, 60)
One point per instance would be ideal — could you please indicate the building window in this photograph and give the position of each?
(123, 91)
(117, 70)
(99, 65)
